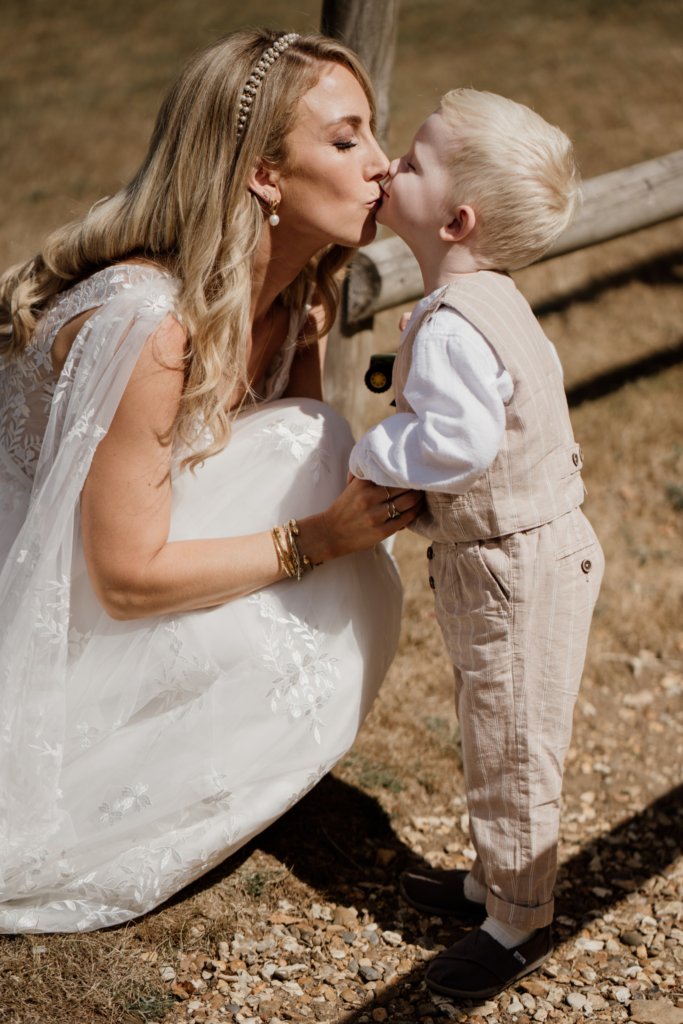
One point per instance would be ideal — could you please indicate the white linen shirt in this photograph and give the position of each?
(458, 388)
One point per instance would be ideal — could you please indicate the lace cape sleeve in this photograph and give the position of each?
(35, 582)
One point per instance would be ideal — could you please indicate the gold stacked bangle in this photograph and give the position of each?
(288, 550)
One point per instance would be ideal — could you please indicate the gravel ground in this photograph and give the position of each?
(619, 938)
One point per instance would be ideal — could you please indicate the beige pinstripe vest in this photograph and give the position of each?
(536, 476)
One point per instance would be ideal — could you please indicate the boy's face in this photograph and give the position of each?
(416, 201)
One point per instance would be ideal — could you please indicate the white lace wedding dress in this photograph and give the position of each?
(134, 756)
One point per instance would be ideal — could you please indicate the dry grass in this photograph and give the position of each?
(80, 83)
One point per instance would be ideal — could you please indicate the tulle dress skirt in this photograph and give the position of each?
(186, 735)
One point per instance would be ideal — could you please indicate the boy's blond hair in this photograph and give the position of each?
(515, 170)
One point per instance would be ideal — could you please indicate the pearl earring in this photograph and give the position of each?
(273, 219)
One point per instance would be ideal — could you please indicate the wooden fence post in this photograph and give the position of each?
(369, 28)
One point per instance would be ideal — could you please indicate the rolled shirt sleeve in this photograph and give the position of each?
(458, 389)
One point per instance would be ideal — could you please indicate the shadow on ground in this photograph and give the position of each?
(666, 268)
(613, 380)
(330, 841)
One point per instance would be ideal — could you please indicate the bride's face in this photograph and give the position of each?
(330, 188)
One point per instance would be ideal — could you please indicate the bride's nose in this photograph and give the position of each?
(378, 166)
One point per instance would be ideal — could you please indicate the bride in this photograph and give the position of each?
(174, 672)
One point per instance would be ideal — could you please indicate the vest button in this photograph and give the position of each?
(432, 584)
(575, 458)
(586, 565)
(430, 552)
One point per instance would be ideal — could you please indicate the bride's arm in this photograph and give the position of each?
(126, 510)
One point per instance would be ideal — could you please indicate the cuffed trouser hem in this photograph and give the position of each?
(520, 917)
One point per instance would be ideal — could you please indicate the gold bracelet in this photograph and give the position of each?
(290, 557)
(282, 555)
(305, 562)
(292, 532)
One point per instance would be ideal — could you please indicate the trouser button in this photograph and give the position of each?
(432, 584)
(430, 552)
(586, 565)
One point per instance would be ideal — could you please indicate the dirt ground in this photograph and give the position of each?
(79, 84)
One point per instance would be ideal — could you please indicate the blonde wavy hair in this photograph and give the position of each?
(517, 172)
(190, 210)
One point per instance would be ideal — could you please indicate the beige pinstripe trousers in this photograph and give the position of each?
(515, 613)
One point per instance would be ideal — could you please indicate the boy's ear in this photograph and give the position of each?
(460, 226)
(264, 184)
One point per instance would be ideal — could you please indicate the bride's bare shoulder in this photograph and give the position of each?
(169, 344)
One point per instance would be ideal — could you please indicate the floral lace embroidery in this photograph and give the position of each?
(88, 732)
(299, 438)
(134, 798)
(179, 686)
(27, 386)
(182, 685)
(311, 782)
(78, 642)
(222, 795)
(306, 682)
(56, 626)
(12, 494)
(231, 833)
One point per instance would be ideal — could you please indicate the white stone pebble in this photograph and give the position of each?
(576, 1000)
(590, 945)
(293, 988)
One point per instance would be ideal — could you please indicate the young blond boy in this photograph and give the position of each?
(482, 426)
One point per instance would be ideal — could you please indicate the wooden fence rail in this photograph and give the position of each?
(385, 274)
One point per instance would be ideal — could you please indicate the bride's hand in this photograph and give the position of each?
(358, 519)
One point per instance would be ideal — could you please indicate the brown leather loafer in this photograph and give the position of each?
(478, 967)
(440, 892)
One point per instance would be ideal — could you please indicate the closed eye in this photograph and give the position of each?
(344, 145)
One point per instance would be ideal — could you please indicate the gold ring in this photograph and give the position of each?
(393, 511)
(388, 493)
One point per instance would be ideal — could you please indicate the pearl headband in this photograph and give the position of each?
(267, 60)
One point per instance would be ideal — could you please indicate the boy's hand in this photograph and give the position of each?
(403, 322)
